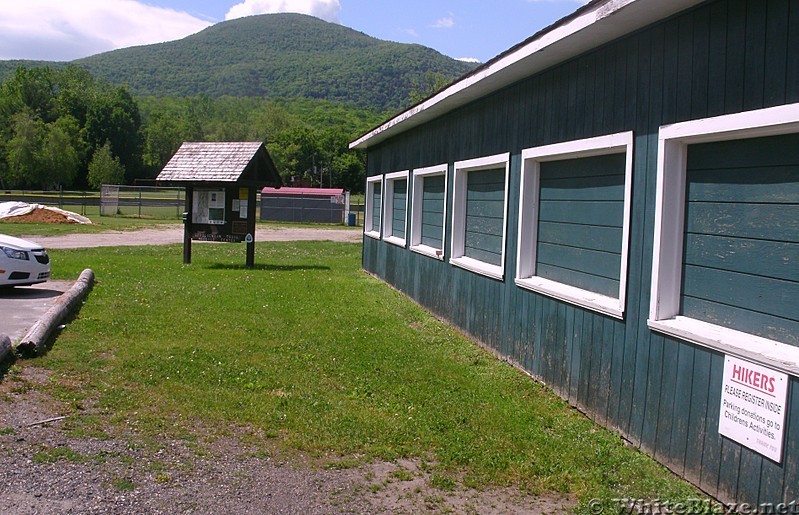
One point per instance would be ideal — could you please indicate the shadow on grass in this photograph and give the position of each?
(267, 267)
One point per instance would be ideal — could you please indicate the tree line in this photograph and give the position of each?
(67, 129)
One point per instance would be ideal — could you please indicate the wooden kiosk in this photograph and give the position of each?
(221, 181)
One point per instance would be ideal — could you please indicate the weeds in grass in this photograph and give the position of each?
(343, 464)
(123, 484)
(53, 454)
(401, 475)
(441, 482)
(21, 387)
(433, 502)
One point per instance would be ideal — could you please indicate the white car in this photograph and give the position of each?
(22, 262)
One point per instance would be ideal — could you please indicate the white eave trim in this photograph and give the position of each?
(595, 24)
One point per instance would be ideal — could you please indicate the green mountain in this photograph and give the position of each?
(273, 56)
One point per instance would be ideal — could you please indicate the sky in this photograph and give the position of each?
(63, 30)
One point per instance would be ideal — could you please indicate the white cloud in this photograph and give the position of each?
(411, 32)
(444, 23)
(468, 59)
(325, 9)
(61, 31)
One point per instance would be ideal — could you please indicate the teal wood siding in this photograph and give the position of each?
(377, 206)
(485, 215)
(398, 208)
(741, 264)
(581, 213)
(433, 202)
(661, 393)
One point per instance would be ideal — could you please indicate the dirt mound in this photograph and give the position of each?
(44, 216)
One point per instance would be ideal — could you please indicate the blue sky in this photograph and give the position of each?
(61, 30)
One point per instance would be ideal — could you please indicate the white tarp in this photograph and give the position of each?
(9, 209)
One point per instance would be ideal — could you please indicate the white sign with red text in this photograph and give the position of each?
(753, 406)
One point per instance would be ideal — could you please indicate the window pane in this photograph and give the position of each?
(376, 206)
(741, 240)
(581, 214)
(398, 211)
(433, 211)
(485, 212)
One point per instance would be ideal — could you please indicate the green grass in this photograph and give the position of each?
(99, 224)
(325, 359)
(53, 454)
(123, 484)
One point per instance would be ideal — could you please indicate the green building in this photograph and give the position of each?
(613, 205)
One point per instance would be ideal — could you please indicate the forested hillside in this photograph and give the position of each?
(66, 129)
(303, 86)
(274, 56)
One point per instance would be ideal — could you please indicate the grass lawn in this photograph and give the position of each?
(99, 224)
(320, 357)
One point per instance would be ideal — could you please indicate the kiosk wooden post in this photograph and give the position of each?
(187, 226)
(251, 213)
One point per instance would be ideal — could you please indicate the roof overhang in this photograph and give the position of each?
(591, 26)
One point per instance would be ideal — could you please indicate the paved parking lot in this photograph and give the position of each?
(22, 306)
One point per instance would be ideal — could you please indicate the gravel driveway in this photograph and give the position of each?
(49, 467)
(174, 234)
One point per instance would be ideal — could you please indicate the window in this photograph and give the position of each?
(726, 247)
(396, 207)
(371, 223)
(429, 210)
(574, 221)
(479, 211)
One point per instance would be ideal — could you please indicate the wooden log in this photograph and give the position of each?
(5, 346)
(36, 337)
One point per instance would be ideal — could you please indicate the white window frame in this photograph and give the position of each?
(419, 175)
(664, 317)
(457, 248)
(368, 230)
(526, 277)
(388, 207)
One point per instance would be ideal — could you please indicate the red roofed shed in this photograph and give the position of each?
(321, 205)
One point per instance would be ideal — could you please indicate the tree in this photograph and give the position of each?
(33, 90)
(60, 152)
(77, 90)
(296, 153)
(23, 149)
(41, 154)
(432, 83)
(50, 120)
(162, 138)
(114, 117)
(350, 172)
(105, 168)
